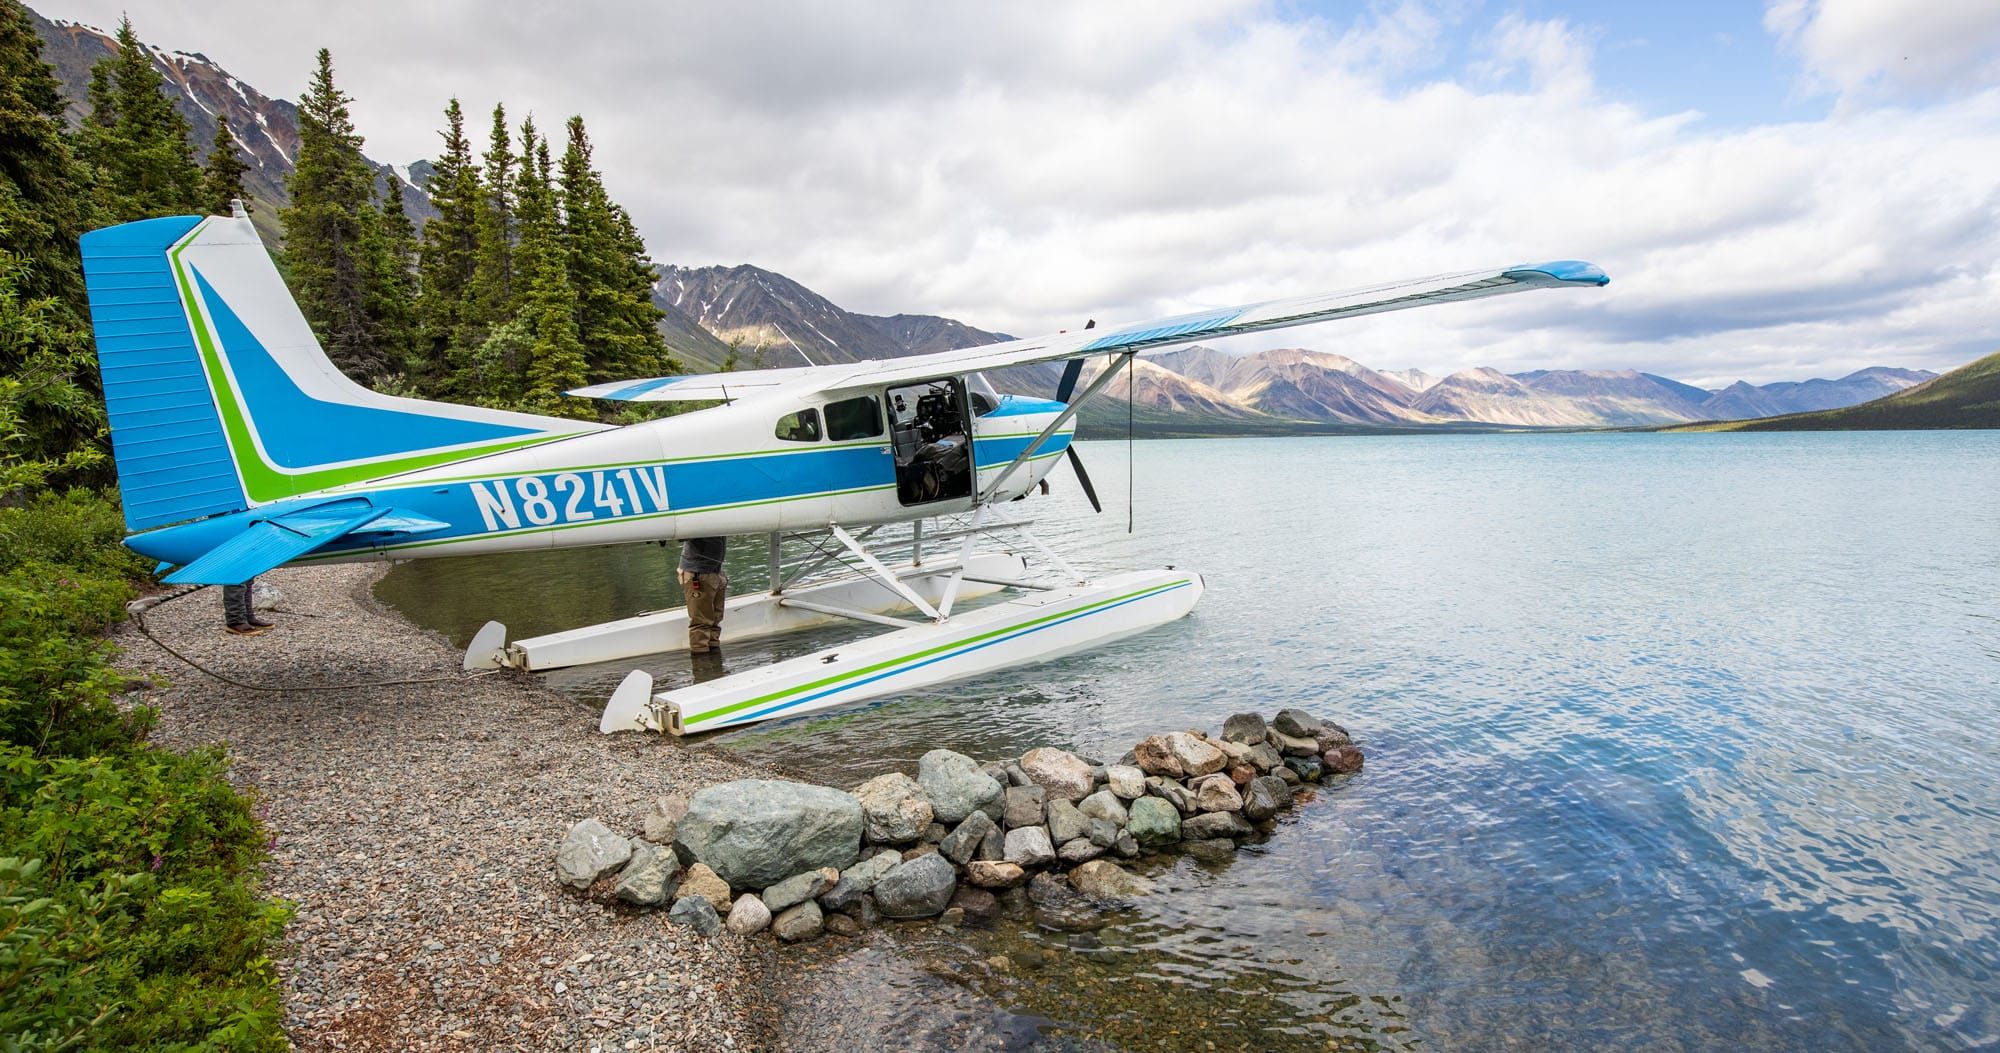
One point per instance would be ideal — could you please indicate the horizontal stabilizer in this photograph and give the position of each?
(269, 543)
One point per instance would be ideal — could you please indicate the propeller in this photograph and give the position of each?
(1072, 371)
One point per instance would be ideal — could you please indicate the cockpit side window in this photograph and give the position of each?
(802, 426)
(855, 418)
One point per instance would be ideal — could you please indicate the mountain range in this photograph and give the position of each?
(746, 317)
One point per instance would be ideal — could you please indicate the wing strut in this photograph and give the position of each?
(1097, 384)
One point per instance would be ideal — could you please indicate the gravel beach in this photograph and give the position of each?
(414, 827)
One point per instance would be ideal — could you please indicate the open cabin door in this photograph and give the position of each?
(930, 428)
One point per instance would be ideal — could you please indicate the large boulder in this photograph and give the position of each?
(856, 880)
(919, 888)
(1126, 780)
(1297, 723)
(1024, 806)
(1196, 755)
(1104, 805)
(701, 882)
(590, 851)
(1066, 821)
(1154, 822)
(1029, 846)
(1265, 797)
(648, 877)
(955, 785)
(1216, 793)
(894, 809)
(1107, 880)
(1246, 728)
(1154, 757)
(962, 844)
(757, 832)
(1210, 825)
(749, 916)
(802, 922)
(1062, 773)
(798, 888)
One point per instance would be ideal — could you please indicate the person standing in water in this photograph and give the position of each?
(706, 586)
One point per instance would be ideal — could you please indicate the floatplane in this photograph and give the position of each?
(240, 448)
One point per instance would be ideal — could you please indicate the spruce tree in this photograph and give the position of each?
(555, 356)
(392, 279)
(140, 150)
(450, 250)
(49, 410)
(328, 229)
(222, 183)
(608, 268)
(491, 298)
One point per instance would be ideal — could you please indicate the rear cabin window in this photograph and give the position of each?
(802, 426)
(856, 418)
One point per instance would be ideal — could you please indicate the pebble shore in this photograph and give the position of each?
(409, 826)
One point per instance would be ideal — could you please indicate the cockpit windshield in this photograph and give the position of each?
(985, 398)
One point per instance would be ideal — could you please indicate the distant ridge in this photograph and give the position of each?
(1967, 397)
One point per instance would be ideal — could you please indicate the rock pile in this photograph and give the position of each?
(960, 841)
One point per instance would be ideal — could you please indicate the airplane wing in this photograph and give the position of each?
(265, 543)
(1181, 329)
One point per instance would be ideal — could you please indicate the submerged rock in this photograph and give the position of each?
(1210, 849)
(979, 905)
(894, 809)
(1108, 880)
(955, 785)
(648, 877)
(1062, 773)
(697, 913)
(802, 922)
(1246, 728)
(800, 887)
(756, 832)
(748, 916)
(919, 888)
(1024, 806)
(843, 925)
(1029, 846)
(1154, 822)
(1209, 825)
(1060, 907)
(590, 851)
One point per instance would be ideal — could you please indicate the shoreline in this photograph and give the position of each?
(410, 828)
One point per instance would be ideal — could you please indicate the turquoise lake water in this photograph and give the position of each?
(1674, 741)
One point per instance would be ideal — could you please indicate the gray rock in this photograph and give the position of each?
(894, 809)
(1125, 780)
(1029, 846)
(648, 877)
(994, 845)
(1309, 768)
(856, 880)
(1170, 791)
(1293, 746)
(1210, 849)
(703, 883)
(1290, 777)
(1331, 736)
(694, 912)
(1216, 793)
(1209, 825)
(936, 832)
(1108, 880)
(802, 922)
(979, 905)
(1062, 773)
(955, 785)
(842, 925)
(1126, 845)
(658, 825)
(919, 888)
(1246, 728)
(798, 888)
(996, 771)
(1066, 822)
(1017, 777)
(748, 916)
(1104, 805)
(963, 843)
(1081, 850)
(1265, 756)
(1154, 822)
(1060, 907)
(590, 851)
(1265, 797)
(1196, 755)
(1297, 723)
(1025, 806)
(1104, 833)
(756, 832)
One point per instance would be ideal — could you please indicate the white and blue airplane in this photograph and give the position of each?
(240, 448)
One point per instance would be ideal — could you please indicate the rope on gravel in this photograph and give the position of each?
(138, 609)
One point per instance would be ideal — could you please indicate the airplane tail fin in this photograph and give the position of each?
(219, 396)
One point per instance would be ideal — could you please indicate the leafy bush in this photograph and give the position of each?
(130, 913)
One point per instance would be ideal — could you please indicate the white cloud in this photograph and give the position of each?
(1892, 46)
(1029, 165)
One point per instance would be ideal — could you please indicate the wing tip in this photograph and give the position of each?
(1573, 272)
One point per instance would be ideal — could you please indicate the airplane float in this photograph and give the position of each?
(240, 448)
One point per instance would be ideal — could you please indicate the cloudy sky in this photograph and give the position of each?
(1796, 189)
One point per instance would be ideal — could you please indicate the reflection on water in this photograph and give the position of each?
(1673, 740)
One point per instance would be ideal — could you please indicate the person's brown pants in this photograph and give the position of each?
(705, 593)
